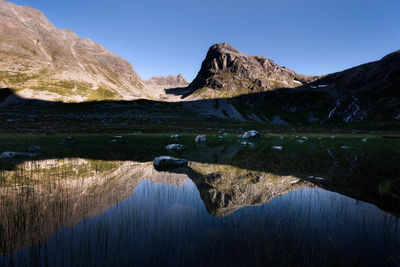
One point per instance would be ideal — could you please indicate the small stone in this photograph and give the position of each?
(174, 147)
(200, 138)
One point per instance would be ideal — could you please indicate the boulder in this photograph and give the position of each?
(251, 134)
(174, 135)
(174, 147)
(200, 138)
(167, 163)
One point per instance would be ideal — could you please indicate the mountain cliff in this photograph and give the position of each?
(44, 62)
(228, 72)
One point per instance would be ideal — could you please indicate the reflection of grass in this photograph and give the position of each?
(297, 226)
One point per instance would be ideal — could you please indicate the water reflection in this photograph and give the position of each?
(92, 212)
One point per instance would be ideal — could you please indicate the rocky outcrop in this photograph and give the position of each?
(227, 69)
(48, 63)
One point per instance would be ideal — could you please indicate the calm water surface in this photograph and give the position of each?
(80, 212)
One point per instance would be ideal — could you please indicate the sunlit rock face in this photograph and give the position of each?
(224, 189)
(227, 69)
(55, 64)
(38, 197)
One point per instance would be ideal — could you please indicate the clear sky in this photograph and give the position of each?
(172, 36)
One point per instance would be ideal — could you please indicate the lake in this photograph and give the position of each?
(277, 200)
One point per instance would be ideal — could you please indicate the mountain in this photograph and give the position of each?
(41, 61)
(228, 72)
(158, 86)
(169, 81)
(258, 89)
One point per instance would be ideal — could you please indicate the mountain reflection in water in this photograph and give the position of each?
(93, 212)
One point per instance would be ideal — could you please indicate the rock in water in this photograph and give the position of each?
(200, 138)
(166, 163)
(251, 134)
(174, 147)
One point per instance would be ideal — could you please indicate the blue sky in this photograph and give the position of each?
(171, 37)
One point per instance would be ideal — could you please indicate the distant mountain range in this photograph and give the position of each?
(40, 61)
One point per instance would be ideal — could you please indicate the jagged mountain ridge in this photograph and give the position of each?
(49, 63)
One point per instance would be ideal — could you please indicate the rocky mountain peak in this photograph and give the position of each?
(228, 70)
(221, 48)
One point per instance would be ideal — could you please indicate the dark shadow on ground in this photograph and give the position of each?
(178, 91)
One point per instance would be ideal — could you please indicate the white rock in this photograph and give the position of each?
(345, 147)
(174, 147)
(174, 135)
(200, 138)
(277, 147)
(301, 141)
(364, 140)
(250, 134)
(117, 136)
